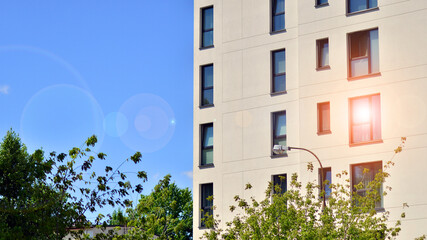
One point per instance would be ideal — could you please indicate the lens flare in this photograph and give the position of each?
(152, 122)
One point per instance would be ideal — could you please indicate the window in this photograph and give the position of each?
(278, 15)
(207, 27)
(279, 71)
(322, 54)
(321, 2)
(323, 118)
(206, 201)
(363, 53)
(279, 129)
(365, 119)
(279, 182)
(358, 175)
(360, 5)
(207, 144)
(327, 174)
(207, 85)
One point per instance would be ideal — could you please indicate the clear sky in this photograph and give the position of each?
(119, 69)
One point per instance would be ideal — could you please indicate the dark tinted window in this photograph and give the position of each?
(279, 71)
(359, 5)
(279, 129)
(206, 201)
(207, 85)
(321, 2)
(207, 27)
(278, 15)
(360, 175)
(327, 174)
(207, 144)
(279, 183)
(363, 53)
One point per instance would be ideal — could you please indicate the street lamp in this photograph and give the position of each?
(280, 149)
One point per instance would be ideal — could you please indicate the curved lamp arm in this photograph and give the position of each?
(322, 177)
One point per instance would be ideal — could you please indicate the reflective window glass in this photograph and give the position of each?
(207, 144)
(206, 201)
(365, 122)
(359, 5)
(207, 27)
(278, 15)
(207, 85)
(279, 129)
(279, 71)
(279, 183)
(364, 53)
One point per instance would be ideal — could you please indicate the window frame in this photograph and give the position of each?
(320, 119)
(372, 140)
(368, 56)
(273, 133)
(202, 30)
(203, 128)
(274, 75)
(368, 9)
(203, 208)
(273, 14)
(325, 170)
(202, 84)
(319, 53)
(352, 180)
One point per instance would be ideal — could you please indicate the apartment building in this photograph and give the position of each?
(345, 79)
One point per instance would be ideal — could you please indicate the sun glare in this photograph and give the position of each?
(362, 114)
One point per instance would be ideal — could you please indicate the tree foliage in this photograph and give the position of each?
(167, 213)
(118, 218)
(298, 213)
(41, 198)
(28, 205)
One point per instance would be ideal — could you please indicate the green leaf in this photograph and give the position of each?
(91, 141)
(136, 158)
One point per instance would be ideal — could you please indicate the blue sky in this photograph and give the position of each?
(119, 69)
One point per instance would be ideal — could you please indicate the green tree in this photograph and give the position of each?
(29, 206)
(41, 198)
(298, 213)
(118, 218)
(167, 212)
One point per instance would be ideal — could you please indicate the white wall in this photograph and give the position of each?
(243, 104)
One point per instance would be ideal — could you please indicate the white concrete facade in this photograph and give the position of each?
(243, 104)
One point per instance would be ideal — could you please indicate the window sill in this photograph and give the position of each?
(210, 165)
(366, 143)
(324, 132)
(364, 76)
(207, 106)
(380, 209)
(278, 93)
(279, 155)
(362, 11)
(327, 67)
(278, 31)
(321, 5)
(206, 47)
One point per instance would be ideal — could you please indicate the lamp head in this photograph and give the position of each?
(279, 149)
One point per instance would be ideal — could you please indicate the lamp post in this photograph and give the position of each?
(280, 149)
